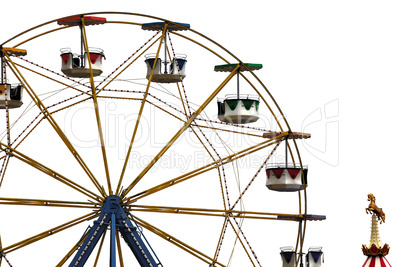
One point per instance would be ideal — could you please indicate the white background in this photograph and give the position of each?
(335, 69)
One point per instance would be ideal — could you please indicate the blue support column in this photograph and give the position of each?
(136, 242)
(113, 214)
(113, 241)
(90, 241)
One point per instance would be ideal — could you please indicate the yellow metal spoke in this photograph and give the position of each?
(140, 111)
(229, 131)
(72, 250)
(119, 249)
(241, 214)
(178, 134)
(48, 203)
(192, 251)
(54, 124)
(55, 175)
(48, 233)
(147, 101)
(207, 167)
(69, 106)
(178, 118)
(96, 107)
(100, 248)
(182, 101)
(49, 78)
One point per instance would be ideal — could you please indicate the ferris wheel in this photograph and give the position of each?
(128, 140)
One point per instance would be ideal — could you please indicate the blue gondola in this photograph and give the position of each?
(315, 257)
(166, 70)
(288, 256)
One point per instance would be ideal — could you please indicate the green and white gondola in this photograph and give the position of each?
(238, 108)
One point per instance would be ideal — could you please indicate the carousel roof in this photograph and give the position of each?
(376, 261)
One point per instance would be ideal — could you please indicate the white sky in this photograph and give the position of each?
(333, 66)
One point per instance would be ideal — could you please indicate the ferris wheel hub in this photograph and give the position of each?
(115, 215)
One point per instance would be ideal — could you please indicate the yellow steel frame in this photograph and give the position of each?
(55, 175)
(196, 253)
(204, 169)
(49, 232)
(177, 135)
(49, 203)
(53, 123)
(230, 215)
(137, 123)
(96, 107)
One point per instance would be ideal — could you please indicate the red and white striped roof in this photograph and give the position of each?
(376, 261)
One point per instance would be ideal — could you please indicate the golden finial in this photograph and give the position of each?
(375, 246)
(373, 209)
